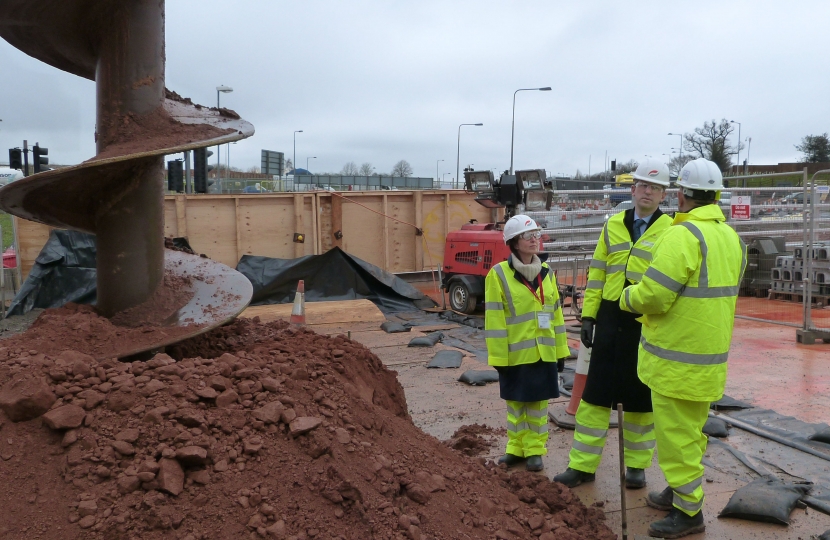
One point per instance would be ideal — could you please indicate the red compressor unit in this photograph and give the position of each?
(471, 252)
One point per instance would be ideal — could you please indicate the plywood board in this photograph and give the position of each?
(363, 229)
(345, 311)
(31, 237)
(211, 228)
(266, 227)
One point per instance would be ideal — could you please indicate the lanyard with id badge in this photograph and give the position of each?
(544, 317)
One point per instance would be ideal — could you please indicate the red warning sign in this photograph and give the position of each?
(740, 207)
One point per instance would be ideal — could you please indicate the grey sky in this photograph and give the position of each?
(383, 81)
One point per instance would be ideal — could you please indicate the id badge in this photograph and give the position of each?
(543, 319)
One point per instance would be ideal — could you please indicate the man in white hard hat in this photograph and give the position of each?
(687, 297)
(621, 257)
(525, 333)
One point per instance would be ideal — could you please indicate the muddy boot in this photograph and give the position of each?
(510, 460)
(572, 477)
(677, 524)
(660, 500)
(534, 463)
(635, 478)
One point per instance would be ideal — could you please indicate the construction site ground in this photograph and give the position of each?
(767, 368)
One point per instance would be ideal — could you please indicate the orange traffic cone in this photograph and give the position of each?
(582, 361)
(298, 312)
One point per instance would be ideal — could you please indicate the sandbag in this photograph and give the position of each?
(765, 499)
(479, 377)
(727, 403)
(428, 340)
(821, 436)
(825, 535)
(716, 427)
(391, 327)
(446, 359)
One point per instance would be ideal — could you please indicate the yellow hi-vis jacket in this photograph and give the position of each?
(511, 319)
(616, 260)
(688, 298)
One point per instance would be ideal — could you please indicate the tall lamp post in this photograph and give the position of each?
(513, 123)
(306, 161)
(437, 177)
(738, 164)
(294, 163)
(748, 148)
(221, 89)
(679, 148)
(458, 149)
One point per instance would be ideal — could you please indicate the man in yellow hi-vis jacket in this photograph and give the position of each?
(687, 298)
(525, 333)
(622, 254)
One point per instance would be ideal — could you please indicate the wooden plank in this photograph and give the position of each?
(299, 201)
(181, 216)
(346, 311)
(324, 227)
(267, 226)
(315, 221)
(237, 228)
(419, 238)
(385, 231)
(212, 228)
(31, 237)
(337, 221)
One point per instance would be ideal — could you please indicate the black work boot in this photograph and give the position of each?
(534, 463)
(661, 500)
(510, 460)
(573, 477)
(635, 478)
(677, 524)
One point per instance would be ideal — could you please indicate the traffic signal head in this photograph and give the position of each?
(200, 169)
(175, 176)
(16, 158)
(40, 162)
(613, 164)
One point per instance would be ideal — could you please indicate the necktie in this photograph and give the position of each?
(638, 224)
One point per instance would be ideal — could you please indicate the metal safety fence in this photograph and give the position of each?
(776, 215)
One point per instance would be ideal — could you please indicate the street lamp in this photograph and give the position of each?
(738, 164)
(458, 149)
(681, 142)
(436, 169)
(444, 177)
(748, 147)
(294, 163)
(513, 123)
(221, 89)
(306, 161)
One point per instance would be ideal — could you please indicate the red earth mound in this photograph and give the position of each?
(257, 431)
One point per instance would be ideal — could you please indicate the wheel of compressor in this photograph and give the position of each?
(461, 299)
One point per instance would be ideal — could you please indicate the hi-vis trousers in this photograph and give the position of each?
(681, 444)
(527, 428)
(591, 430)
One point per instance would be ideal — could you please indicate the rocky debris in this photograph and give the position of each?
(312, 441)
(26, 396)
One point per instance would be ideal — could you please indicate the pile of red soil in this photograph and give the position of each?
(266, 432)
(474, 439)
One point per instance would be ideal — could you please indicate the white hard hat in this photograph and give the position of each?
(652, 171)
(517, 225)
(701, 174)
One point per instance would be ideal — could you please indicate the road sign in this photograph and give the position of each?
(822, 189)
(739, 207)
(272, 162)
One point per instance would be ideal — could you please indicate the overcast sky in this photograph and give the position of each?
(381, 81)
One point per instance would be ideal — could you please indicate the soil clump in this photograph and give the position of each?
(257, 431)
(474, 439)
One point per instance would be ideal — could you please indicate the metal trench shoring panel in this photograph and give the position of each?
(118, 194)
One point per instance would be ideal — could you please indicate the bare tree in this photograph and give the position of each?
(366, 169)
(349, 169)
(711, 142)
(627, 167)
(289, 165)
(253, 169)
(677, 163)
(402, 168)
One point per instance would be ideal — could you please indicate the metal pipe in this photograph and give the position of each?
(771, 436)
(623, 515)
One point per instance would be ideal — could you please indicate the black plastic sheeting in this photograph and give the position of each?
(334, 275)
(64, 271)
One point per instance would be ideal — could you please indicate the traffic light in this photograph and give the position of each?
(15, 158)
(39, 160)
(200, 169)
(613, 164)
(175, 176)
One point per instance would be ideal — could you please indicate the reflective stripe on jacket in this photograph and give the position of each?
(511, 329)
(615, 260)
(688, 298)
